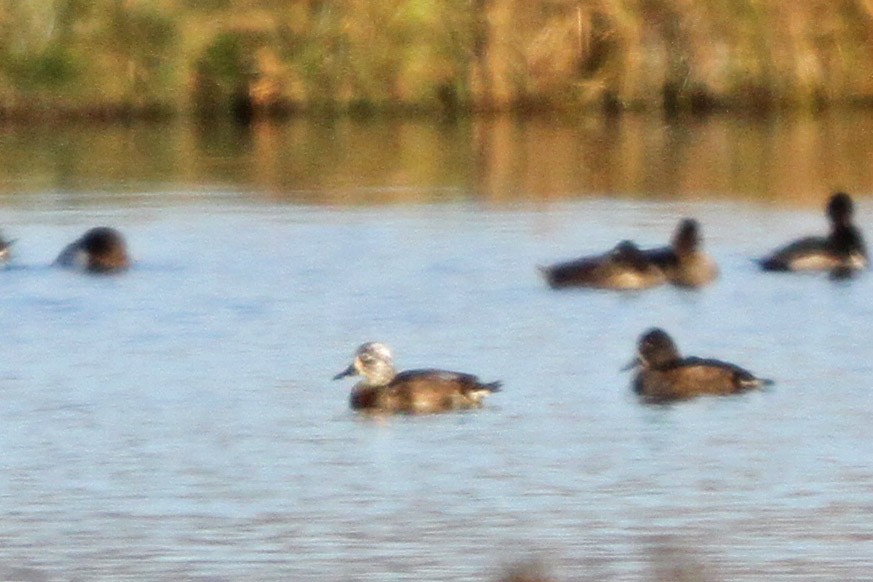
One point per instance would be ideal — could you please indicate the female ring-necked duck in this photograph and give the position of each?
(841, 252)
(625, 267)
(383, 390)
(99, 250)
(663, 375)
(683, 262)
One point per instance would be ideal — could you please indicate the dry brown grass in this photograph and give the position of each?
(440, 55)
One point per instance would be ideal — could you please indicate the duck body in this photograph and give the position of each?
(690, 377)
(662, 375)
(424, 391)
(819, 254)
(625, 267)
(842, 251)
(99, 250)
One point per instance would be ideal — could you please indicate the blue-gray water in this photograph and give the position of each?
(179, 422)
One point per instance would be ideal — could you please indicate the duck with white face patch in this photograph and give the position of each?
(425, 391)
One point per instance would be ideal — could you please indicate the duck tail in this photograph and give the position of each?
(754, 383)
(548, 275)
(480, 391)
(493, 386)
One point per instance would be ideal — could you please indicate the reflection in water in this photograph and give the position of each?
(178, 422)
(500, 158)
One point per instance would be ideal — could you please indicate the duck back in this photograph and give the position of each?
(605, 272)
(424, 392)
(692, 377)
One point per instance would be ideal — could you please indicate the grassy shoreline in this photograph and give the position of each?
(125, 59)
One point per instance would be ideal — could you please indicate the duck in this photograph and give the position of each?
(840, 253)
(384, 390)
(100, 250)
(5, 250)
(625, 267)
(663, 375)
(683, 262)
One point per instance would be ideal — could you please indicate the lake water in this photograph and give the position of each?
(179, 422)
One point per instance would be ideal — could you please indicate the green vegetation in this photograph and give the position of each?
(257, 57)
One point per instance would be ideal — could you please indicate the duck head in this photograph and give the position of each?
(654, 348)
(373, 361)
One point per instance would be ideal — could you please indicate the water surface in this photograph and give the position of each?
(179, 421)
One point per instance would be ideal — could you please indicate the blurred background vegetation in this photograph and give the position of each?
(113, 58)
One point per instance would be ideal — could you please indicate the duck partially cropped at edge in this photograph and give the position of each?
(684, 263)
(663, 375)
(5, 251)
(100, 250)
(840, 253)
(426, 391)
(624, 267)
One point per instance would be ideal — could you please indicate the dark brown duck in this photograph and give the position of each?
(99, 250)
(662, 375)
(425, 391)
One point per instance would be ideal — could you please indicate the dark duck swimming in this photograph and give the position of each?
(99, 250)
(425, 391)
(625, 267)
(840, 253)
(663, 375)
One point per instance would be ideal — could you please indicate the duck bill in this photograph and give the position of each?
(350, 371)
(635, 363)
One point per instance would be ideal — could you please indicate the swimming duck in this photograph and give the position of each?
(840, 253)
(383, 390)
(5, 250)
(625, 267)
(99, 250)
(663, 375)
(683, 262)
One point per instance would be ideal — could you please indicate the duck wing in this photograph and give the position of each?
(719, 376)
(446, 379)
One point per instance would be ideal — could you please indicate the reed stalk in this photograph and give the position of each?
(264, 57)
